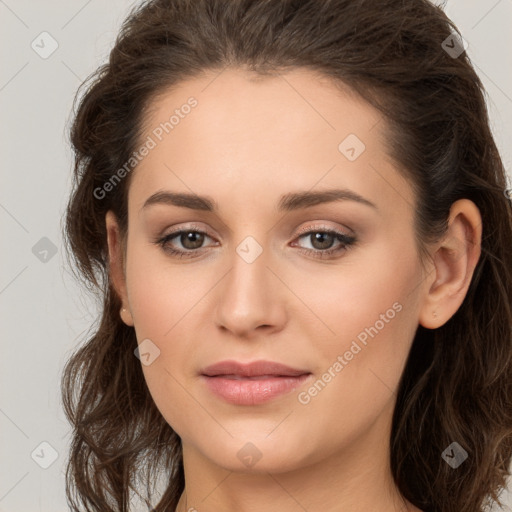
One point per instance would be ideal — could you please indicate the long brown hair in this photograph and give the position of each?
(457, 384)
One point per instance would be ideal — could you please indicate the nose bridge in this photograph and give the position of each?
(248, 277)
(247, 297)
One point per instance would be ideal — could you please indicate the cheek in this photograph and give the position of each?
(373, 287)
(162, 294)
(332, 305)
(164, 300)
(369, 315)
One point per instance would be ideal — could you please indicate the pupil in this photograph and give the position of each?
(189, 238)
(323, 244)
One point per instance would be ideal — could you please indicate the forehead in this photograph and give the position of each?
(239, 103)
(245, 133)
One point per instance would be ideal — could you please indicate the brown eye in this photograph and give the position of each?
(323, 242)
(183, 243)
(191, 239)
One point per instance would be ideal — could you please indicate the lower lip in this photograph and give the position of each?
(252, 391)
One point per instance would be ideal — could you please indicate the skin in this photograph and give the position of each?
(248, 142)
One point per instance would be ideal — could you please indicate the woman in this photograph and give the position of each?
(295, 215)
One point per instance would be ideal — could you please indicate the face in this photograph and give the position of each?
(330, 285)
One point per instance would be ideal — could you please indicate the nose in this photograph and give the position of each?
(251, 300)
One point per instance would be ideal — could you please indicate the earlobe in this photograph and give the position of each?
(455, 258)
(116, 265)
(126, 317)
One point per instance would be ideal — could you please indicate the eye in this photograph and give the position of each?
(190, 239)
(322, 241)
(325, 242)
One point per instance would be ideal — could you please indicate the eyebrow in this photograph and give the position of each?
(287, 203)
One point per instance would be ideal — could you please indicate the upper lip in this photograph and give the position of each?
(254, 369)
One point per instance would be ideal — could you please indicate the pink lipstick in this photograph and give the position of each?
(253, 383)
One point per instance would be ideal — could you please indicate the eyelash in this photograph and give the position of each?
(347, 241)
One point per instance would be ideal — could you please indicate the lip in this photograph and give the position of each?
(253, 383)
(254, 369)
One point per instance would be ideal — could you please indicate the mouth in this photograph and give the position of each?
(255, 369)
(254, 383)
(257, 377)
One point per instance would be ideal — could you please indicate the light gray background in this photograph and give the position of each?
(44, 313)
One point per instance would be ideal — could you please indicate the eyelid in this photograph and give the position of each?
(347, 241)
(188, 227)
(307, 229)
(324, 227)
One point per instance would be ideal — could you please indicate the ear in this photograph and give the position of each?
(455, 258)
(116, 265)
